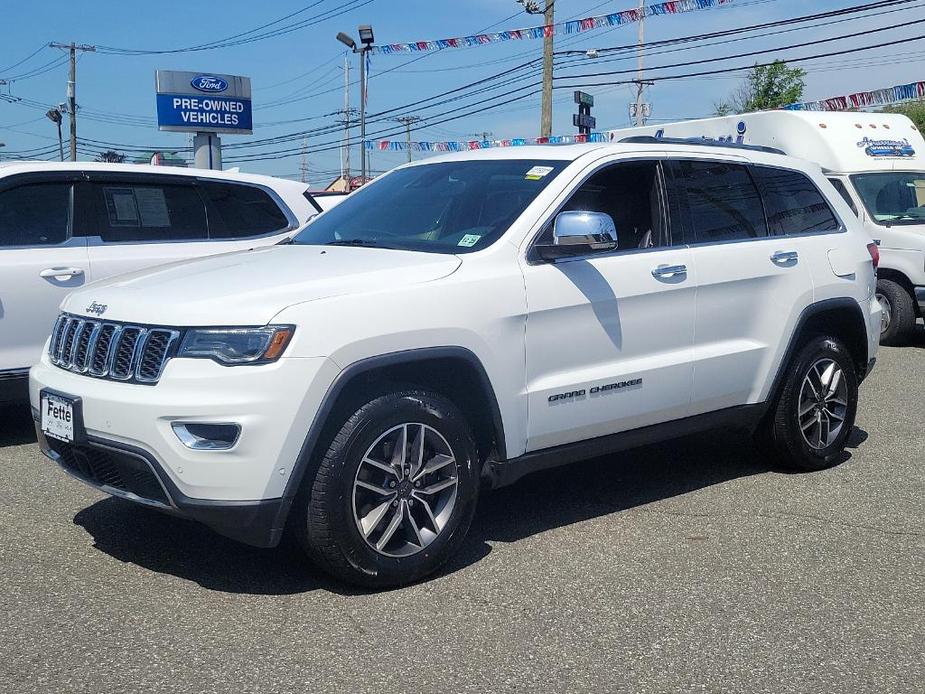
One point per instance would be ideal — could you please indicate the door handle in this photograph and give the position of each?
(781, 257)
(668, 271)
(61, 272)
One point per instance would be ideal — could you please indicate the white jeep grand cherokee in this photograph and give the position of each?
(472, 318)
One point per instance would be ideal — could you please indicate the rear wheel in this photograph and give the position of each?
(395, 492)
(811, 420)
(897, 319)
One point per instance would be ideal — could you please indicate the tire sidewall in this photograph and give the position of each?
(378, 417)
(819, 348)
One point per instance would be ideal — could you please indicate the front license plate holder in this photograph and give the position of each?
(61, 416)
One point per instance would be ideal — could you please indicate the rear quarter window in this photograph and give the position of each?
(239, 211)
(793, 203)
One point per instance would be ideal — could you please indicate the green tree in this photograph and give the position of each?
(915, 111)
(111, 157)
(766, 87)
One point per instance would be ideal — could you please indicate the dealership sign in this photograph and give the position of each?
(203, 102)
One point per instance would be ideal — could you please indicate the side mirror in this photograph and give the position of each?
(579, 233)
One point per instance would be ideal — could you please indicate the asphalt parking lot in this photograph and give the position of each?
(685, 567)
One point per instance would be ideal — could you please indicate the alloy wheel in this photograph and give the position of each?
(886, 312)
(405, 489)
(823, 404)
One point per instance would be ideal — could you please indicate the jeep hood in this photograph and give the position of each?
(250, 287)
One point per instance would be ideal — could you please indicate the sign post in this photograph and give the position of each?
(206, 104)
(583, 120)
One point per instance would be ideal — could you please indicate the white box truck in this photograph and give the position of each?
(876, 161)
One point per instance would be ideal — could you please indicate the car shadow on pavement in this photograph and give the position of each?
(540, 502)
(16, 427)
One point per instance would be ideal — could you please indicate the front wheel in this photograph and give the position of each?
(395, 492)
(897, 317)
(811, 420)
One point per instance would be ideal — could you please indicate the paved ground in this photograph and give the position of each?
(686, 567)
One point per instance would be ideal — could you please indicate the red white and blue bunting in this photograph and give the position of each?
(574, 26)
(466, 145)
(899, 93)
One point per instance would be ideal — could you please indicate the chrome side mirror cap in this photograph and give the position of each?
(579, 233)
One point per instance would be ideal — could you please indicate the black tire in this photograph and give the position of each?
(781, 435)
(324, 510)
(901, 311)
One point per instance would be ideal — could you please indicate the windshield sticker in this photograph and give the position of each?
(537, 172)
(469, 240)
(887, 148)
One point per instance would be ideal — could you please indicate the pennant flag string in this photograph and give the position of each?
(573, 26)
(913, 91)
(466, 145)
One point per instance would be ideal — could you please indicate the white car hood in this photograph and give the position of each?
(250, 287)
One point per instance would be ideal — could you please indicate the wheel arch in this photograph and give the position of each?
(841, 317)
(454, 372)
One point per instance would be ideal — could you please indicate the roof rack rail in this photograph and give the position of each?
(702, 141)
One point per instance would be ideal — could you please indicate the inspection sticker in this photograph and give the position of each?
(469, 240)
(537, 172)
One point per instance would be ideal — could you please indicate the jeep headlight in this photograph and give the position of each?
(232, 346)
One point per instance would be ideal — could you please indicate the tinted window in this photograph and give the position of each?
(721, 200)
(446, 207)
(141, 212)
(793, 203)
(630, 194)
(238, 211)
(843, 191)
(34, 214)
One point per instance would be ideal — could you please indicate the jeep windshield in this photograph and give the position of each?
(893, 197)
(447, 207)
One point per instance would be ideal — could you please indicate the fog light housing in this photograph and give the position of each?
(200, 436)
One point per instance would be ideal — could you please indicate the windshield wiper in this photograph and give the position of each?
(358, 242)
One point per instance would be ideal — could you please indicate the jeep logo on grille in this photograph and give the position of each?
(97, 309)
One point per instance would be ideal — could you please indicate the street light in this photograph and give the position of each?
(366, 38)
(54, 115)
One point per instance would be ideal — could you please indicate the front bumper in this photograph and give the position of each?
(132, 474)
(920, 299)
(131, 450)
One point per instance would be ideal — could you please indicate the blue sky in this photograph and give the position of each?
(298, 78)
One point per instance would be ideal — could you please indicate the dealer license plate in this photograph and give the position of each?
(58, 417)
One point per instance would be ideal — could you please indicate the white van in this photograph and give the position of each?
(63, 225)
(876, 161)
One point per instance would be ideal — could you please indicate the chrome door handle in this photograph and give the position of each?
(781, 257)
(667, 271)
(61, 272)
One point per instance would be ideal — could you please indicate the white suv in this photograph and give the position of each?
(475, 317)
(64, 225)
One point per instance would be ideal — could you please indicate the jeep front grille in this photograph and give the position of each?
(116, 351)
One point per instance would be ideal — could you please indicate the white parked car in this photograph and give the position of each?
(475, 316)
(63, 225)
(876, 161)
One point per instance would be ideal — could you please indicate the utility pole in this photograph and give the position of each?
(548, 12)
(303, 167)
(408, 121)
(345, 154)
(546, 118)
(640, 84)
(72, 88)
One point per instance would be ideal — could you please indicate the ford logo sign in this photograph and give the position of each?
(209, 83)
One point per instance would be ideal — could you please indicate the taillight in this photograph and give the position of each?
(874, 251)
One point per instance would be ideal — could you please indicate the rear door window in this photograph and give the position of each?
(35, 214)
(793, 202)
(118, 211)
(238, 211)
(719, 201)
